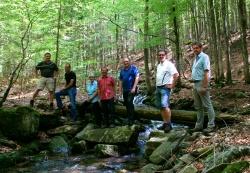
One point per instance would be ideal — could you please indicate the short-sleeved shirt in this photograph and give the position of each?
(200, 65)
(47, 69)
(165, 72)
(127, 76)
(91, 89)
(69, 76)
(106, 87)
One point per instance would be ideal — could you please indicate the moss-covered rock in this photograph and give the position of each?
(79, 147)
(58, 145)
(168, 147)
(49, 120)
(149, 168)
(66, 129)
(235, 167)
(10, 159)
(124, 135)
(189, 169)
(226, 156)
(103, 150)
(21, 123)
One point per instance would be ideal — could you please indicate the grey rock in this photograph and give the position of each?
(103, 150)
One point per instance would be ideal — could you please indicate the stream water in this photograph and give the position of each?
(89, 163)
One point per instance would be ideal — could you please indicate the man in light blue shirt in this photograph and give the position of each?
(201, 76)
(92, 100)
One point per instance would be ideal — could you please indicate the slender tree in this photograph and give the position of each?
(243, 24)
(146, 49)
(226, 49)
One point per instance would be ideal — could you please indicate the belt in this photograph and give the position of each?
(195, 81)
(161, 86)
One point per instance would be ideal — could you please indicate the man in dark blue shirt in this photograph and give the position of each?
(129, 78)
(70, 90)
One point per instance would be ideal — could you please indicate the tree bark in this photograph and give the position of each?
(177, 45)
(178, 116)
(58, 37)
(213, 42)
(226, 38)
(243, 24)
(146, 49)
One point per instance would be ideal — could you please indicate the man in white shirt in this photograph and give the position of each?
(166, 76)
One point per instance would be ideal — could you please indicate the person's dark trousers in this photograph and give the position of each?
(96, 111)
(84, 107)
(108, 110)
(128, 102)
(71, 92)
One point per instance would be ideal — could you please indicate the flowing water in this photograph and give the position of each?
(89, 163)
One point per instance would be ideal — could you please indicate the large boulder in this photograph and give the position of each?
(189, 169)
(152, 144)
(124, 135)
(21, 123)
(79, 147)
(49, 120)
(103, 150)
(149, 168)
(168, 147)
(10, 159)
(226, 156)
(66, 129)
(235, 167)
(58, 145)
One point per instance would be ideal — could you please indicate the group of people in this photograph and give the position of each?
(102, 92)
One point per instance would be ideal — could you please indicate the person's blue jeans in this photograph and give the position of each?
(162, 97)
(71, 92)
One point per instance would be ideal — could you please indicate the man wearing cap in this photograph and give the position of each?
(92, 100)
(48, 71)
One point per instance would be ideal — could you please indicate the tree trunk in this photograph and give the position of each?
(177, 45)
(219, 47)
(243, 24)
(213, 43)
(146, 49)
(178, 116)
(226, 38)
(58, 37)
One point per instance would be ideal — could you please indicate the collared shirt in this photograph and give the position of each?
(127, 76)
(47, 69)
(106, 88)
(201, 63)
(165, 72)
(91, 89)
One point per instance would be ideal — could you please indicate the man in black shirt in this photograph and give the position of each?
(70, 90)
(48, 70)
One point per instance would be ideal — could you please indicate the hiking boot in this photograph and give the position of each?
(196, 129)
(162, 127)
(209, 130)
(167, 128)
(32, 103)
